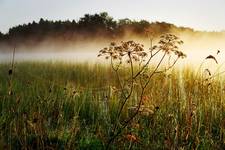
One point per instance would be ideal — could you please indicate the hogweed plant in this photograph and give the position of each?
(142, 65)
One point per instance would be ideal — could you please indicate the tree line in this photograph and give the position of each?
(89, 26)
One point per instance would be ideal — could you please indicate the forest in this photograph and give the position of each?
(99, 26)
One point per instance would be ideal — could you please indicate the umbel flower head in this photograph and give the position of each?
(170, 43)
(129, 49)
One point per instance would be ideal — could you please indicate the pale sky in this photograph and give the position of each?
(199, 14)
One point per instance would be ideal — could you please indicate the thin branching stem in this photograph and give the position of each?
(131, 90)
(136, 53)
(147, 63)
(171, 66)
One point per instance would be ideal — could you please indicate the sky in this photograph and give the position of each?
(205, 15)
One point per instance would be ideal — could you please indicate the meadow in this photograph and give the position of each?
(56, 105)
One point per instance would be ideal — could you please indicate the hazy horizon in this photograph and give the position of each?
(187, 13)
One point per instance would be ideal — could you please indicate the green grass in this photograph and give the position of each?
(62, 106)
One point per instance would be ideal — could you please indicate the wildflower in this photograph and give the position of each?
(169, 44)
(131, 138)
(131, 50)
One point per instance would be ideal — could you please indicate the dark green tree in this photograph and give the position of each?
(89, 26)
(97, 22)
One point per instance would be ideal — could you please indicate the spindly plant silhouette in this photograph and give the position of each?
(142, 66)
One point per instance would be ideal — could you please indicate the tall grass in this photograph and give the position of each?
(74, 106)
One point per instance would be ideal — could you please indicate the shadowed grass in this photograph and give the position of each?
(73, 106)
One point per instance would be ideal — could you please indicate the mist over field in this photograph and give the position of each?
(73, 53)
(196, 46)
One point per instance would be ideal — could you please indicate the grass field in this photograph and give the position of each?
(73, 106)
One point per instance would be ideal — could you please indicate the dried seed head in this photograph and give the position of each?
(212, 57)
(10, 71)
